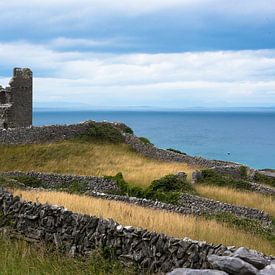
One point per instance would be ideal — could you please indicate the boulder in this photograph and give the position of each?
(268, 270)
(252, 257)
(189, 271)
(231, 265)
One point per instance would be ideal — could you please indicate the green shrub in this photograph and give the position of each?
(28, 181)
(264, 179)
(176, 151)
(145, 140)
(171, 183)
(103, 132)
(243, 172)
(167, 189)
(124, 128)
(76, 187)
(210, 176)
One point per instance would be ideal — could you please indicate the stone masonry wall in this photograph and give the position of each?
(32, 135)
(56, 181)
(79, 234)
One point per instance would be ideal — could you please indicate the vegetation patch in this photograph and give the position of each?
(166, 189)
(20, 257)
(265, 179)
(212, 177)
(124, 128)
(245, 224)
(10, 183)
(243, 172)
(32, 182)
(103, 132)
(145, 140)
(176, 151)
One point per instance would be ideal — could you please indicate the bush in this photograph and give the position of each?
(103, 132)
(29, 181)
(171, 183)
(176, 151)
(167, 189)
(212, 177)
(76, 187)
(124, 128)
(243, 172)
(145, 140)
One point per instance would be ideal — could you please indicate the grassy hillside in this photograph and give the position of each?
(105, 159)
(156, 220)
(86, 158)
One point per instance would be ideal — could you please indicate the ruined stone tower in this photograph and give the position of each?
(16, 100)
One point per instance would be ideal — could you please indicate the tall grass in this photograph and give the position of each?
(237, 197)
(87, 159)
(156, 220)
(19, 257)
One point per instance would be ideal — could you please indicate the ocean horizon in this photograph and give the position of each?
(244, 137)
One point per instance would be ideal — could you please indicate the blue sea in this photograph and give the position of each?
(245, 137)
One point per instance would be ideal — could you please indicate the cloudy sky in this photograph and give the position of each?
(158, 53)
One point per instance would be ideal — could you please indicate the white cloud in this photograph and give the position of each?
(54, 12)
(182, 79)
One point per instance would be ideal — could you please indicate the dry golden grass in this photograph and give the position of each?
(229, 195)
(87, 159)
(155, 220)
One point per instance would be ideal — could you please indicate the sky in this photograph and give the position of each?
(145, 53)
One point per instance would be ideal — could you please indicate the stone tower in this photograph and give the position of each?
(16, 100)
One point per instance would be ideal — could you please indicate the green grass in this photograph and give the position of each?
(20, 257)
(265, 179)
(210, 177)
(88, 158)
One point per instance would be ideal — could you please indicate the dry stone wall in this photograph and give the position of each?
(200, 205)
(32, 135)
(57, 181)
(151, 151)
(79, 234)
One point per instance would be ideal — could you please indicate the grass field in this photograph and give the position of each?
(156, 220)
(237, 197)
(20, 258)
(85, 158)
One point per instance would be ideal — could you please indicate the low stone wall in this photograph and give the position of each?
(30, 135)
(200, 205)
(56, 181)
(263, 189)
(79, 234)
(192, 205)
(151, 151)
